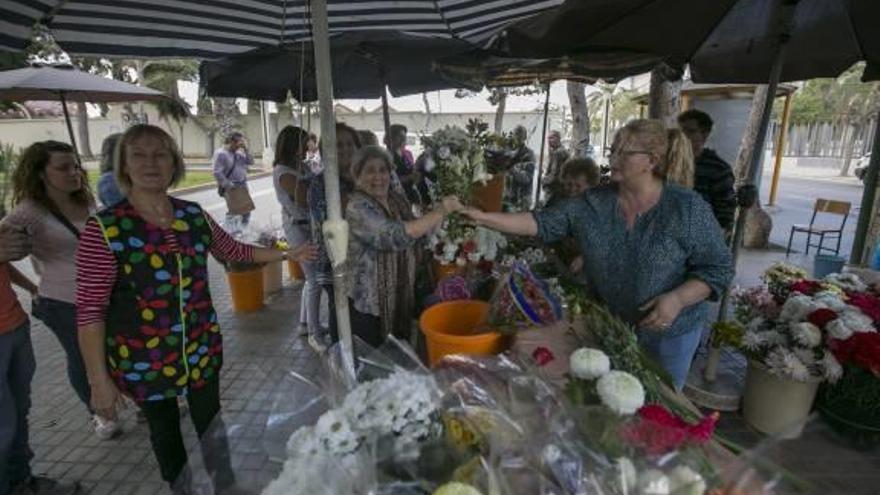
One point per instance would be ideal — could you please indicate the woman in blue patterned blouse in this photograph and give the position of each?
(653, 251)
(382, 248)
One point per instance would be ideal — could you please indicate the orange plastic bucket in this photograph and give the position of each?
(450, 328)
(246, 289)
(295, 271)
(272, 275)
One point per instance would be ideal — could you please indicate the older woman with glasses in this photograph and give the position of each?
(653, 252)
(382, 248)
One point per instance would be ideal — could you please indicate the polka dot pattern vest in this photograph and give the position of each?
(162, 336)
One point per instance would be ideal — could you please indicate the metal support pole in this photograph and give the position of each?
(868, 196)
(780, 148)
(543, 145)
(335, 228)
(386, 117)
(69, 127)
(605, 124)
(784, 16)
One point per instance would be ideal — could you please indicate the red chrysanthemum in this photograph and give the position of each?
(807, 287)
(862, 350)
(821, 317)
(658, 431)
(469, 247)
(543, 355)
(867, 303)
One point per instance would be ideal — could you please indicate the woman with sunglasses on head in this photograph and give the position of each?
(653, 252)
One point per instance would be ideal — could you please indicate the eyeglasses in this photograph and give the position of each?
(616, 152)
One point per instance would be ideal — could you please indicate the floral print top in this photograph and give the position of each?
(677, 240)
(373, 231)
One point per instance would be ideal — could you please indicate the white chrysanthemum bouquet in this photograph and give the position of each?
(401, 410)
(788, 324)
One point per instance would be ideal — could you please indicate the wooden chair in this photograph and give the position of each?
(827, 207)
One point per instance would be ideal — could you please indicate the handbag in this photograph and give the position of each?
(238, 200)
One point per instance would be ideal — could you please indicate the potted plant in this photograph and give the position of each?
(787, 328)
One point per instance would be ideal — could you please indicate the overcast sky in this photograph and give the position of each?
(440, 101)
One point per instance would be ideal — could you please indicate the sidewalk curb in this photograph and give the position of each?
(212, 185)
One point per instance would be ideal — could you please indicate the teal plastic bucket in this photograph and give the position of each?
(826, 264)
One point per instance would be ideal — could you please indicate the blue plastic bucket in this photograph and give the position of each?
(826, 264)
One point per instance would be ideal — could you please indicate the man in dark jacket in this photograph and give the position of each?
(714, 177)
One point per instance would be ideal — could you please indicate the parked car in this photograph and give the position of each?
(862, 166)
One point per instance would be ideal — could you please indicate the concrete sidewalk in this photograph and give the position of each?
(258, 347)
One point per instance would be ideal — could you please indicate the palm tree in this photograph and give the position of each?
(163, 75)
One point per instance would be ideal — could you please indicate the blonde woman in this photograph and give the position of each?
(653, 252)
(680, 169)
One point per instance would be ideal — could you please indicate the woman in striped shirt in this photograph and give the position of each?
(147, 326)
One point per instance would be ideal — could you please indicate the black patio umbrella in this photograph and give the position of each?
(65, 84)
(724, 41)
(363, 63)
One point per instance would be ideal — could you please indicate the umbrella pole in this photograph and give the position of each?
(702, 388)
(335, 228)
(868, 197)
(69, 126)
(386, 117)
(537, 196)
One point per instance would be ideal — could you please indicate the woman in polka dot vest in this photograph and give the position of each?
(147, 326)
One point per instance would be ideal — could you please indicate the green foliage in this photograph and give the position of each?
(845, 97)
(623, 106)
(8, 159)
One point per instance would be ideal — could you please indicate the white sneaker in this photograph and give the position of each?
(105, 429)
(316, 344)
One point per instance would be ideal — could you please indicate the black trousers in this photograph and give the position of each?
(366, 326)
(163, 419)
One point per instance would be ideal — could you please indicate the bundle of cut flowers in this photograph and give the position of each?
(522, 300)
(639, 439)
(499, 150)
(456, 158)
(402, 408)
(792, 323)
(461, 244)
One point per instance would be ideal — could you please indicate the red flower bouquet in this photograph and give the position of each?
(867, 303)
(862, 350)
(806, 287)
(658, 431)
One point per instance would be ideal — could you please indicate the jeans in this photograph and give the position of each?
(244, 218)
(17, 366)
(674, 354)
(60, 317)
(163, 419)
(310, 301)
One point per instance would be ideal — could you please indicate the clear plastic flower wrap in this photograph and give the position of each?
(473, 425)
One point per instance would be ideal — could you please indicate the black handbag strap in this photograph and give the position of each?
(64, 221)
